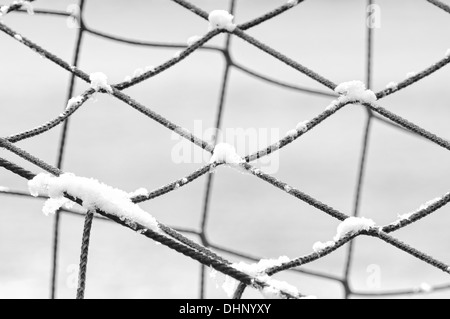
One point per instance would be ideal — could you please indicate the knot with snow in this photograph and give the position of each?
(99, 81)
(355, 90)
(94, 196)
(222, 20)
(225, 154)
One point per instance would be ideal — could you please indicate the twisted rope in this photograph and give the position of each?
(59, 164)
(217, 126)
(440, 4)
(173, 238)
(84, 254)
(363, 157)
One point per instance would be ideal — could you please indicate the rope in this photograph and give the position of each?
(59, 162)
(13, 168)
(363, 158)
(440, 4)
(217, 126)
(84, 254)
(15, 7)
(173, 238)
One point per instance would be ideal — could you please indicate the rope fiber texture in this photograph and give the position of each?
(175, 239)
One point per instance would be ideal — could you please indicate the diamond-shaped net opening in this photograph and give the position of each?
(194, 243)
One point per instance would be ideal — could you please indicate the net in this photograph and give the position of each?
(207, 253)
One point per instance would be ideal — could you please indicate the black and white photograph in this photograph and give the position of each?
(223, 154)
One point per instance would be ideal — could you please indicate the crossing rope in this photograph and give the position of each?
(205, 252)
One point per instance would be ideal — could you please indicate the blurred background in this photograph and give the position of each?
(110, 141)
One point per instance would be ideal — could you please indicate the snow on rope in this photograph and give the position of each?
(353, 225)
(99, 81)
(293, 3)
(319, 246)
(27, 5)
(222, 20)
(408, 216)
(94, 194)
(349, 226)
(191, 40)
(74, 101)
(352, 91)
(392, 85)
(275, 288)
(226, 154)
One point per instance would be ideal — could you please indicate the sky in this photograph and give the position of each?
(114, 143)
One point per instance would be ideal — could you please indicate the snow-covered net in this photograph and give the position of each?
(118, 207)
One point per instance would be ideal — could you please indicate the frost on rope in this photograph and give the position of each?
(139, 192)
(424, 287)
(138, 72)
(258, 270)
(319, 246)
(99, 81)
(352, 225)
(392, 85)
(302, 127)
(447, 54)
(149, 68)
(25, 4)
(273, 291)
(74, 101)
(411, 74)
(349, 226)
(226, 153)
(94, 194)
(291, 134)
(292, 3)
(3, 10)
(350, 91)
(193, 39)
(221, 19)
(422, 207)
(18, 37)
